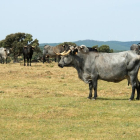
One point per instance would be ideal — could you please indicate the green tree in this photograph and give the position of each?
(17, 41)
(2, 43)
(105, 48)
(111, 51)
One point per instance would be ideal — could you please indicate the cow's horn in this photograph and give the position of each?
(66, 53)
(62, 52)
(58, 53)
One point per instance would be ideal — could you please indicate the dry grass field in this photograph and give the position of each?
(45, 102)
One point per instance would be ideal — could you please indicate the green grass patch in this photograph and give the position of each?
(34, 106)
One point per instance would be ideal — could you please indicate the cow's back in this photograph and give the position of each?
(112, 66)
(48, 50)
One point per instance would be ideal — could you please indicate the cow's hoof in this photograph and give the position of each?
(88, 97)
(130, 100)
(94, 99)
(137, 98)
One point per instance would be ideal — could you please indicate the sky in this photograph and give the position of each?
(54, 21)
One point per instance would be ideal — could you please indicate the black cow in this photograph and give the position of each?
(111, 67)
(92, 49)
(27, 53)
(88, 49)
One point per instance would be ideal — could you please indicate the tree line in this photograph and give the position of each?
(18, 40)
(103, 48)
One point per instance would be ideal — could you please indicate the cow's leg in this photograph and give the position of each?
(90, 89)
(44, 59)
(2, 60)
(138, 90)
(24, 61)
(95, 89)
(55, 59)
(133, 93)
(134, 85)
(48, 59)
(30, 61)
(27, 61)
(134, 82)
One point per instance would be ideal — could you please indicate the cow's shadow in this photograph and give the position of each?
(100, 98)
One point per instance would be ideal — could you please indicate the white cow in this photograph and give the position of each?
(4, 52)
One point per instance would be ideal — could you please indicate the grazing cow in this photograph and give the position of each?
(49, 51)
(27, 53)
(4, 52)
(111, 67)
(136, 48)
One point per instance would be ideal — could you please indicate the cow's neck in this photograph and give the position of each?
(78, 64)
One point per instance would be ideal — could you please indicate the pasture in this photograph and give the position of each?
(45, 102)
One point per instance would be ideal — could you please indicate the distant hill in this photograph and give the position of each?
(115, 45)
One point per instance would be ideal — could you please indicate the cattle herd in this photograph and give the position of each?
(91, 65)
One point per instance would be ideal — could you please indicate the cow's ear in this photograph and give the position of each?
(82, 48)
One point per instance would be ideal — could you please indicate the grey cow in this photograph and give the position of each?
(136, 48)
(4, 52)
(50, 51)
(111, 67)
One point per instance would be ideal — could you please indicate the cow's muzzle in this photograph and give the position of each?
(60, 65)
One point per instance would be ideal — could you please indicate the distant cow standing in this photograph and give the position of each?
(50, 51)
(4, 52)
(27, 53)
